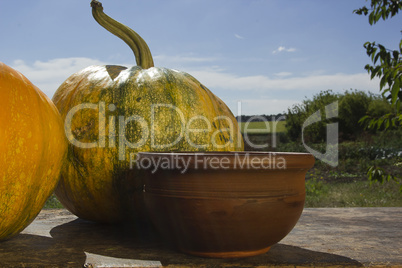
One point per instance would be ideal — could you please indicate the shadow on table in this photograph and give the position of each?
(71, 241)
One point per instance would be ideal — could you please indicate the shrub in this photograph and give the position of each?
(353, 105)
(298, 114)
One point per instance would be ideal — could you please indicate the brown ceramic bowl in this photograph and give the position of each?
(224, 204)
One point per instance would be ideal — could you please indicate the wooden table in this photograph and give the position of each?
(330, 237)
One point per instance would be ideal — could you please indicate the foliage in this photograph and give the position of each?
(346, 185)
(352, 106)
(388, 69)
(379, 174)
(387, 66)
(53, 203)
(299, 113)
(315, 186)
(379, 107)
(387, 63)
(380, 9)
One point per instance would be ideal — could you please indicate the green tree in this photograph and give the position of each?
(298, 114)
(353, 104)
(387, 66)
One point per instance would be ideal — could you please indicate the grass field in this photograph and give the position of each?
(353, 194)
(263, 127)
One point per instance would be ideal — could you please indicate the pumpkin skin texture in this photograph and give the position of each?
(95, 183)
(32, 149)
(112, 112)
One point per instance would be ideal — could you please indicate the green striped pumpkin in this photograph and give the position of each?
(113, 112)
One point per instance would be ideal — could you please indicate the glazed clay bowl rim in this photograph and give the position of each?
(241, 160)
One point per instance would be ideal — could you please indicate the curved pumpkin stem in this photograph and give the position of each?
(141, 50)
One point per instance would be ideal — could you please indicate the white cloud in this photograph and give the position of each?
(260, 106)
(239, 36)
(336, 82)
(283, 74)
(49, 75)
(284, 89)
(251, 90)
(282, 48)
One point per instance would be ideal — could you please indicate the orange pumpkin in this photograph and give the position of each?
(113, 112)
(32, 148)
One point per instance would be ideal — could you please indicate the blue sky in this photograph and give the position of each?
(266, 54)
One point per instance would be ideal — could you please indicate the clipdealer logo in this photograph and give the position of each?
(146, 129)
(330, 156)
(118, 125)
(205, 161)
